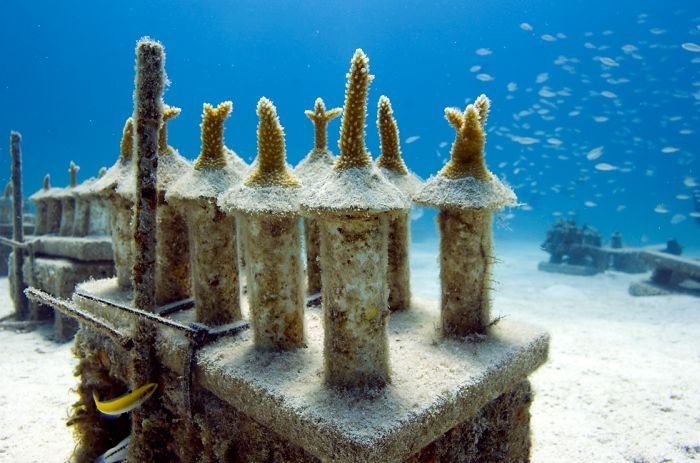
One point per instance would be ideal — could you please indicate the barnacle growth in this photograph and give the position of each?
(266, 205)
(212, 234)
(317, 163)
(466, 194)
(392, 165)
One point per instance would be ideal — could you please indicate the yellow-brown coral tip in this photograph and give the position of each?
(352, 131)
(467, 155)
(212, 155)
(271, 168)
(127, 143)
(390, 157)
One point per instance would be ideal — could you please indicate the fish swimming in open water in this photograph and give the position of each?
(126, 402)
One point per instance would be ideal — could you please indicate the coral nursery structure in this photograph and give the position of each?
(258, 375)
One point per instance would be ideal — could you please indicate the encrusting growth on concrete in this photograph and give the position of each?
(353, 209)
(212, 234)
(466, 194)
(317, 163)
(352, 130)
(392, 165)
(267, 207)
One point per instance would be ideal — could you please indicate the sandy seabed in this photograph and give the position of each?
(622, 383)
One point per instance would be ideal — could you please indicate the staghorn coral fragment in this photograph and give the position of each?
(390, 157)
(73, 170)
(352, 130)
(46, 183)
(126, 148)
(271, 167)
(467, 154)
(212, 154)
(320, 117)
(169, 112)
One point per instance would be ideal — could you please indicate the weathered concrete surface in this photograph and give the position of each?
(83, 248)
(59, 277)
(436, 386)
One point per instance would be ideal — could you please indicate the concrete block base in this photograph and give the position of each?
(59, 277)
(449, 400)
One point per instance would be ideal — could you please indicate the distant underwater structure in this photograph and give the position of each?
(365, 377)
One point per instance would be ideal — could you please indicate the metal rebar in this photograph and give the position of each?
(69, 309)
(20, 300)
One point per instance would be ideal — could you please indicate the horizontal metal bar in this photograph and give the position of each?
(155, 318)
(12, 243)
(176, 306)
(69, 309)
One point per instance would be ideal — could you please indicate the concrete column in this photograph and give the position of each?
(354, 262)
(275, 280)
(465, 270)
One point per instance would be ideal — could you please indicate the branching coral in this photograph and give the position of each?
(169, 112)
(271, 167)
(390, 158)
(352, 130)
(467, 155)
(73, 172)
(320, 117)
(126, 147)
(212, 155)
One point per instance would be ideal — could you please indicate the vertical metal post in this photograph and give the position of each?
(20, 300)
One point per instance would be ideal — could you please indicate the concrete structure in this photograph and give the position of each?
(363, 386)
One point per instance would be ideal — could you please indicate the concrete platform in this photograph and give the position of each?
(83, 248)
(436, 385)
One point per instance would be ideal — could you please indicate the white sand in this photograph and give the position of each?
(622, 383)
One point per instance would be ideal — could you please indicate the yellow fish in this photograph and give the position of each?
(127, 402)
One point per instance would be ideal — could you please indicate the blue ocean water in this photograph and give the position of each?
(595, 105)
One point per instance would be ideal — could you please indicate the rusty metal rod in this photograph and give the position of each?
(69, 309)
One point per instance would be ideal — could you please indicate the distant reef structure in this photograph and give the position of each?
(236, 346)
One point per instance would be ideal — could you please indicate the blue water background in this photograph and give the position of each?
(67, 79)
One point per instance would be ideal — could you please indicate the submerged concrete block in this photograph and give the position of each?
(83, 248)
(59, 277)
(449, 400)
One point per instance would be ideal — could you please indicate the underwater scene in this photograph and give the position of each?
(240, 231)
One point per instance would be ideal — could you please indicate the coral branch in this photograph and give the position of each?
(73, 172)
(271, 168)
(352, 130)
(169, 112)
(320, 117)
(212, 154)
(126, 148)
(467, 155)
(390, 157)
(46, 184)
